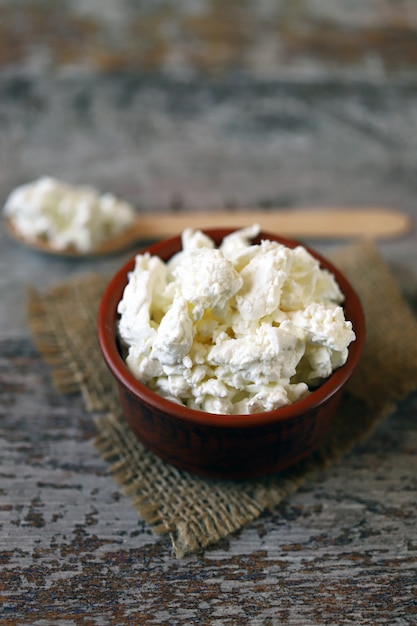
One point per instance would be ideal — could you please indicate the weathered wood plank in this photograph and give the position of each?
(72, 548)
(265, 38)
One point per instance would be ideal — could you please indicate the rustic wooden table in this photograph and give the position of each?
(343, 549)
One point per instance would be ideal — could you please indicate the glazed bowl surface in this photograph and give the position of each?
(225, 446)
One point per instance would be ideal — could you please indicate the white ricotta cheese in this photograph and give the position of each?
(242, 328)
(66, 215)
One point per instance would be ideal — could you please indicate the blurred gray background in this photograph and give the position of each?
(197, 105)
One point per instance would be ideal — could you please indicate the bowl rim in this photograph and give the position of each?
(107, 336)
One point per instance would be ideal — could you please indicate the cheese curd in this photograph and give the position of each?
(243, 328)
(65, 215)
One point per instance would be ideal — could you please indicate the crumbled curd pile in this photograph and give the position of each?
(66, 215)
(237, 329)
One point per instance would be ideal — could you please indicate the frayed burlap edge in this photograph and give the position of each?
(63, 323)
(196, 512)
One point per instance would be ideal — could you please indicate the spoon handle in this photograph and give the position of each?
(301, 223)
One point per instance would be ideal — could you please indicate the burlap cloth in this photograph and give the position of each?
(196, 512)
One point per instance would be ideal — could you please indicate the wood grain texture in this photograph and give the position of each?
(342, 550)
(267, 38)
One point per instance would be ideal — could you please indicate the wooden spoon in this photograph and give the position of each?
(297, 223)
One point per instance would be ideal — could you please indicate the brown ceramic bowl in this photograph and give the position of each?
(225, 446)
